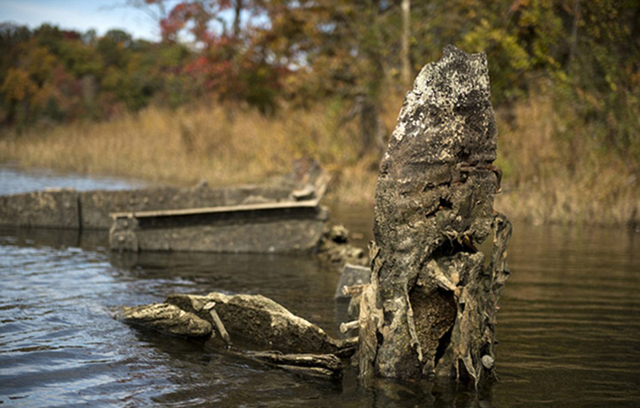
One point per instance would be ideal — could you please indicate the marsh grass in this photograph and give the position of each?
(221, 145)
(555, 169)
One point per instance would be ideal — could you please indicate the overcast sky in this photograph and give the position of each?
(101, 15)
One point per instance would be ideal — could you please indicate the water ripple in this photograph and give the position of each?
(568, 326)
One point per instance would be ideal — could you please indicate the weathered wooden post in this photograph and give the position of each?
(431, 305)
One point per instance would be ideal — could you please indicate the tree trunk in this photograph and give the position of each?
(371, 126)
(406, 36)
(372, 79)
(237, 18)
(430, 307)
(574, 31)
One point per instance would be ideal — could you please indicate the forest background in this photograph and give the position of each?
(237, 89)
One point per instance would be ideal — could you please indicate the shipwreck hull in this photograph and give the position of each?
(258, 228)
(282, 216)
(92, 209)
(43, 209)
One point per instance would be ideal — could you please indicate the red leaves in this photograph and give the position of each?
(224, 65)
(215, 68)
(180, 16)
(194, 16)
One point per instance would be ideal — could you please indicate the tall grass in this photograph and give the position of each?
(557, 170)
(554, 168)
(213, 143)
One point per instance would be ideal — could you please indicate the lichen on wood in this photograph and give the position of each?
(250, 326)
(252, 321)
(430, 307)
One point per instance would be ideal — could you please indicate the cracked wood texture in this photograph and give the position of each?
(431, 306)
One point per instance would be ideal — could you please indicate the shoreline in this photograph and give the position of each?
(503, 201)
(549, 177)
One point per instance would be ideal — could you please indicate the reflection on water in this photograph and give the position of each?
(289, 280)
(568, 326)
(14, 181)
(569, 319)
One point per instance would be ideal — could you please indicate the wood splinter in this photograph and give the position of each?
(353, 290)
(314, 365)
(216, 320)
(345, 327)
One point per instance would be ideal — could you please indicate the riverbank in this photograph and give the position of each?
(555, 169)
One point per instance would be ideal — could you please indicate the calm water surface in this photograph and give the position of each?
(569, 325)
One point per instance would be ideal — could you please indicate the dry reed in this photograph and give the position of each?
(553, 170)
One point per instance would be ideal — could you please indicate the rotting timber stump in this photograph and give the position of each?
(431, 306)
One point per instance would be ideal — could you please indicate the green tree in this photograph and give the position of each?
(339, 49)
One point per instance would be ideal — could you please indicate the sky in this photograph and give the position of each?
(101, 15)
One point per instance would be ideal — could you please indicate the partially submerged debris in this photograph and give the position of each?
(284, 215)
(430, 308)
(314, 365)
(352, 275)
(257, 225)
(68, 208)
(250, 228)
(257, 321)
(334, 248)
(352, 283)
(58, 208)
(168, 319)
(262, 328)
(253, 321)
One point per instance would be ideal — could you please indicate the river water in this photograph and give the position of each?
(569, 324)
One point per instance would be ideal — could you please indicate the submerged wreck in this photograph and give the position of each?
(284, 215)
(427, 306)
(270, 221)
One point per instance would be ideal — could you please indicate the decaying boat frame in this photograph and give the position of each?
(249, 326)
(258, 228)
(290, 225)
(284, 215)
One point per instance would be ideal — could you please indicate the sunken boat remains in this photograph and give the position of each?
(426, 308)
(283, 215)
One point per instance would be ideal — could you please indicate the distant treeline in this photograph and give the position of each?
(56, 75)
(265, 52)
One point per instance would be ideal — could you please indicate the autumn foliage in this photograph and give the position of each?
(235, 89)
(264, 53)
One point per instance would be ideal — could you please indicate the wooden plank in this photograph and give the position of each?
(220, 209)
